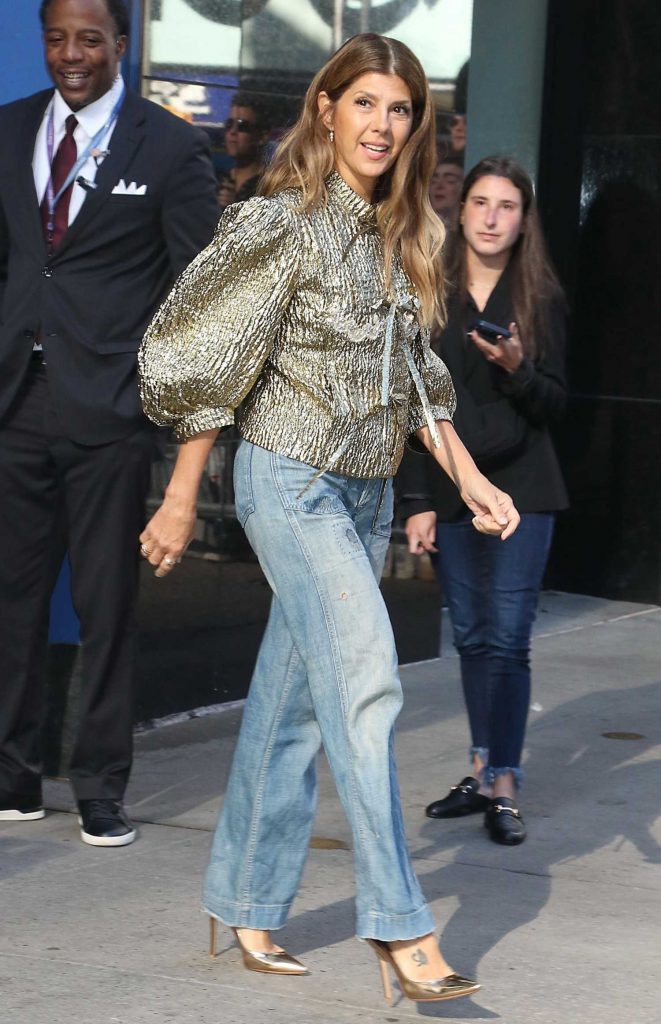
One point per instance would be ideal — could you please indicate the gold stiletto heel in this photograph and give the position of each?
(385, 981)
(453, 986)
(269, 963)
(253, 960)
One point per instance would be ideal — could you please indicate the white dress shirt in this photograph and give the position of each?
(91, 119)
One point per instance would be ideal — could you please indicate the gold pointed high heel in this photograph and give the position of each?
(253, 960)
(452, 986)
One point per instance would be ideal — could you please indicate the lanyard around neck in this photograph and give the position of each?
(52, 199)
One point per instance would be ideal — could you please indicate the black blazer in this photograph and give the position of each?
(504, 419)
(91, 301)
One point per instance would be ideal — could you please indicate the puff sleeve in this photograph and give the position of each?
(208, 342)
(437, 388)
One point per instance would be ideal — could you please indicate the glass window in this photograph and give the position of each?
(275, 46)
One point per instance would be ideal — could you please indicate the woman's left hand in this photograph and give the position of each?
(506, 353)
(494, 510)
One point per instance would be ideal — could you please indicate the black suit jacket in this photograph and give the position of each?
(91, 301)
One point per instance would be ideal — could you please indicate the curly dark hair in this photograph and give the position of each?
(117, 9)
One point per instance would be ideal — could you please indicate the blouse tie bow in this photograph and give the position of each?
(406, 304)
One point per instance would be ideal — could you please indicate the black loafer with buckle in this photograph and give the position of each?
(504, 822)
(461, 800)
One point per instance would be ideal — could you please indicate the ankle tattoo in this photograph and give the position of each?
(419, 957)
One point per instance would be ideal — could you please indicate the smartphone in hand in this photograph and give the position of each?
(490, 332)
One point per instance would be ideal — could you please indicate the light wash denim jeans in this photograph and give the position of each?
(326, 672)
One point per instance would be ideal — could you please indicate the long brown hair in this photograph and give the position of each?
(534, 282)
(407, 223)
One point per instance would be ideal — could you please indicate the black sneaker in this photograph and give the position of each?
(20, 808)
(104, 823)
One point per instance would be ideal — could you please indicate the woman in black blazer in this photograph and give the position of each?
(510, 388)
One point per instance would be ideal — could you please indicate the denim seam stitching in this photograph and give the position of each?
(399, 917)
(246, 874)
(379, 506)
(259, 792)
(252, 906)
(247, 482)
(330, 627)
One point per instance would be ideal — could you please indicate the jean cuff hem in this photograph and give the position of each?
(394, 927)
(491, 773)
(248, 915)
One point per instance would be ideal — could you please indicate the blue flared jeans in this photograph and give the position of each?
(326, 673)
(491, 587)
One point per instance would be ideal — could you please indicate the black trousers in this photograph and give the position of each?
(54, 495)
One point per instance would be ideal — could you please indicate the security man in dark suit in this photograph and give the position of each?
(104, 199)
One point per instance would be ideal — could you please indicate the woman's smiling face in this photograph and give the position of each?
(372, 121)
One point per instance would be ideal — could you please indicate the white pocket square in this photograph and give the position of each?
(132, 189)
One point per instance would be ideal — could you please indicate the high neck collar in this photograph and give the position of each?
(344, 195)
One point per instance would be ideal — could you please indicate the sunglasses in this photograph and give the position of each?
(240, 125)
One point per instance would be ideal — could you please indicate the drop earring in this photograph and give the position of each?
(331, 136)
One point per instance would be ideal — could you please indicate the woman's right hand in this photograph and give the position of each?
(421, 532)
(170, 530)
(168, 533)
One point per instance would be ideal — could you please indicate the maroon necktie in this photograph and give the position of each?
(63, 161)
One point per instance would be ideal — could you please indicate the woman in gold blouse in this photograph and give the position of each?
(311, 310)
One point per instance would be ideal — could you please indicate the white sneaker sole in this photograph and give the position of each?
(106, 840)
(22, 815)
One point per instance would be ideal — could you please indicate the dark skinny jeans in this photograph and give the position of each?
(491, 587)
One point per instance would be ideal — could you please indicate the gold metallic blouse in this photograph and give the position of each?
(287, 313)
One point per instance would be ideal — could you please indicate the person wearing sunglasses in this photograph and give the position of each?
(246, 134)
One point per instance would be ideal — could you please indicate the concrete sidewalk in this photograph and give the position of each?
(565, 929)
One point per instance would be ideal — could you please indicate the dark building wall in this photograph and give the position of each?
(600, 181)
